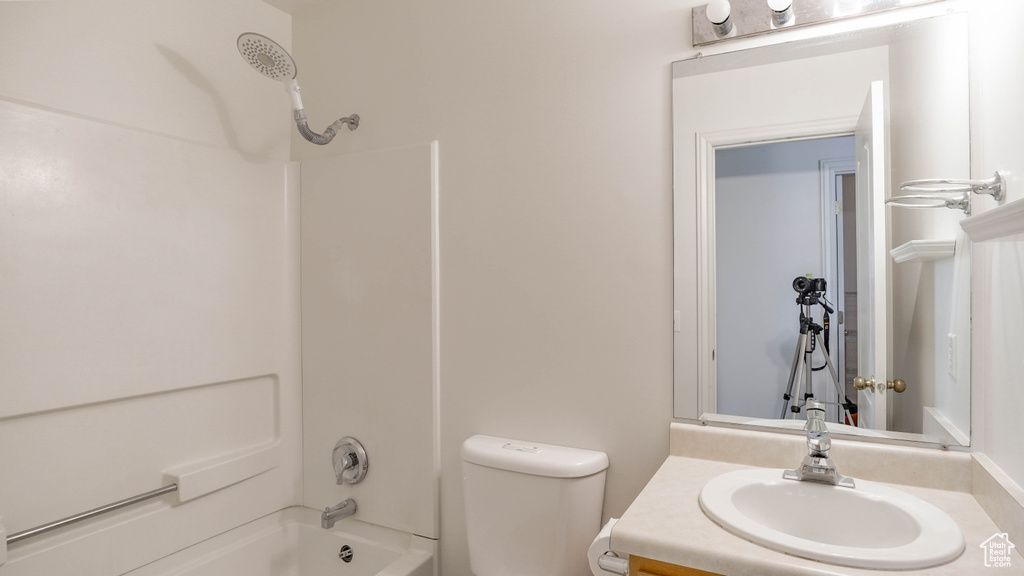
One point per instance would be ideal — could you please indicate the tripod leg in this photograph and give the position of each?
(801, 364)
(792, 372)
(810, 372)
(835, 379)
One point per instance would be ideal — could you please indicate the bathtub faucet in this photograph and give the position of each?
(335, 513)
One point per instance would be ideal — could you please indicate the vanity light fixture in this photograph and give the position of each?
(782, 13)
(718, 13)
(721, 20)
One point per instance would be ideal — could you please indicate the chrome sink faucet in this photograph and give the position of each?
(817, 466)
(335, 513)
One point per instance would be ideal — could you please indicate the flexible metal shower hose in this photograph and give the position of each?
(329, 133)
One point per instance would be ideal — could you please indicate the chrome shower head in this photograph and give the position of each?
(270, 59)
(267, 57)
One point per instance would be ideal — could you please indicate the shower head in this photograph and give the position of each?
(267, 57)
(270, 59)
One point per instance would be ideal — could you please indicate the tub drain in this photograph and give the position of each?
(345, 553)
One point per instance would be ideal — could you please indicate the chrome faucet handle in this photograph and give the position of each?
(819, 445)
(815, 413)
(349, 459)
(817, 466)
(819, 441)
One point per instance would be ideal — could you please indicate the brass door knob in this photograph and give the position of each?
(897, 385)
(861, 383)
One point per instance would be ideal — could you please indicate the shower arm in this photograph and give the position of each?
(329, 133)
(303, 126)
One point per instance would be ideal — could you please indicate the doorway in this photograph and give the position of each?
(782, 212)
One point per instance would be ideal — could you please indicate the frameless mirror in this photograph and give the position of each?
(793, 278)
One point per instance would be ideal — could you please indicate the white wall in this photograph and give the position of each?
(552, 119)
(768, 212)
(148, 273)
(368, 317)
(997, 123)
(930, 138)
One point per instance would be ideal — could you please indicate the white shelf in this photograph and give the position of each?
(1001, 221)
(923, 250)
(201, 478)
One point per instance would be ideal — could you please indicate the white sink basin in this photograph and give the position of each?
(870, 526)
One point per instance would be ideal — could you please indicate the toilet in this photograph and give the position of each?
(531, 509)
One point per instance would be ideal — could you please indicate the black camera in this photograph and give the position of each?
(805, 285)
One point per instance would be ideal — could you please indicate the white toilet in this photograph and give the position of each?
(531, 509)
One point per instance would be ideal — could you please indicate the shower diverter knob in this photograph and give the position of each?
(349, 459)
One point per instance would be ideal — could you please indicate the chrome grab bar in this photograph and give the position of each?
(18, 536)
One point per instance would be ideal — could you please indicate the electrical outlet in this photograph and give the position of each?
(951, 355)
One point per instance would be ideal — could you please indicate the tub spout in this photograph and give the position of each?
(335, 513)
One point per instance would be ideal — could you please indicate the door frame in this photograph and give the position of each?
(707, 312)
(831, 228)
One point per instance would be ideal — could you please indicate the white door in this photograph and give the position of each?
(872, 259)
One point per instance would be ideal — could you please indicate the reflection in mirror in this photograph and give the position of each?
(768, 235)
(795, 277)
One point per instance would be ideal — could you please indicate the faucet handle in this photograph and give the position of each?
(815, 416)
(349, 459)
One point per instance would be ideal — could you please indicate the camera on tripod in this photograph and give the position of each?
(811, 291)
(805, 285)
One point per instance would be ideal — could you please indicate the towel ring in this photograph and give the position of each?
(995, 186)
(961, 201)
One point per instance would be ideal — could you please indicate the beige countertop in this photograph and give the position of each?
(666, 523)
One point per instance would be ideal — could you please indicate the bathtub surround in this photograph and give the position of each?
(149, 272)
(369, 323)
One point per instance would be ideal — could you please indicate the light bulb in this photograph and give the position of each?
(847, 8)
(782, 12)
(718, 12)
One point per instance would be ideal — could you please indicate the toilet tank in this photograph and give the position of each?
(531, 509)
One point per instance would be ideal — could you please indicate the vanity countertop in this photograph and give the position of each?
(666, 523)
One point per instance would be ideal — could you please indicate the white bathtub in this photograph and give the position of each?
(292, 543)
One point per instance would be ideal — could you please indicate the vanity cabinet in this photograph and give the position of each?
(640, 566)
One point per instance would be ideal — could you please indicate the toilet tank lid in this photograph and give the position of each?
(532, 458)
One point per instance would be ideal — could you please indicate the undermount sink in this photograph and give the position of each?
(869, 526)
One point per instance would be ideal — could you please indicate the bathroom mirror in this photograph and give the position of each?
(783, 156)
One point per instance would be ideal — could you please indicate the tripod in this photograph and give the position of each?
(809, 334)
